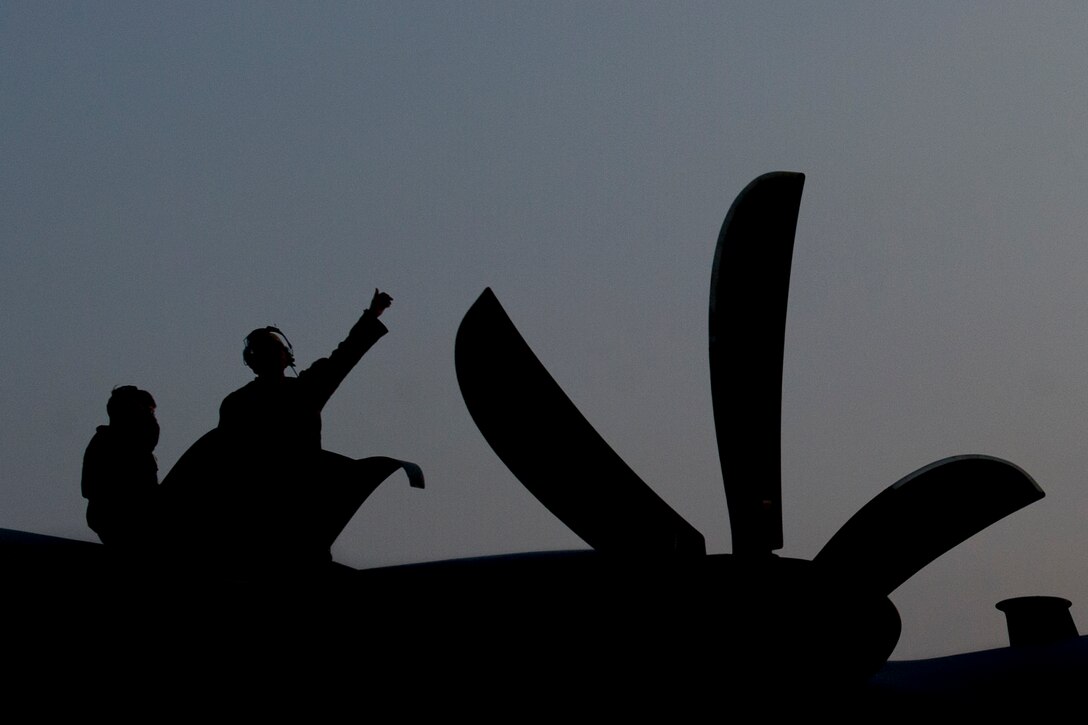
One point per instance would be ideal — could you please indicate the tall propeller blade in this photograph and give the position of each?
(922, 516)
(749, 289)
(552, 449)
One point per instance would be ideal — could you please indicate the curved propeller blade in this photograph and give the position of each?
(922, 516)
(749, 289)
(552, 449)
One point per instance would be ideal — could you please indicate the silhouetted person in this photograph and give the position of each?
(270, 430)
(120, 474)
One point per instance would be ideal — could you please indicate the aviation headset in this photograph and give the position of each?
(254, 339)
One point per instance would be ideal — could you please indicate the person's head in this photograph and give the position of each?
(267, 352)
(132, 414)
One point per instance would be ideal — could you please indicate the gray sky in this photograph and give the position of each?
(174, 175)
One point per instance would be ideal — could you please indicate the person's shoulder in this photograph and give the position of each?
(100, 438)
(236, 398)
(259, 392)
(242, 392)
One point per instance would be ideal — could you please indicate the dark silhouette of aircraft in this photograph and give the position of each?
(646, 621)
(767, 612)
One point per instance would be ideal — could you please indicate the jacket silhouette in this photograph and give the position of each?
(120, 474)
(278, 493)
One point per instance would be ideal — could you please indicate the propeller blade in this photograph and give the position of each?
(552, 449)
(749, 289)
(922, 516)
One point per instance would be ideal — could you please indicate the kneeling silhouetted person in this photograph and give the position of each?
(120, 474)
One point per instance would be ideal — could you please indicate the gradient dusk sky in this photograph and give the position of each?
(175, 174)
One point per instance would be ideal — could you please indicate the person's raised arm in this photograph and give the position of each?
(325, 375)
